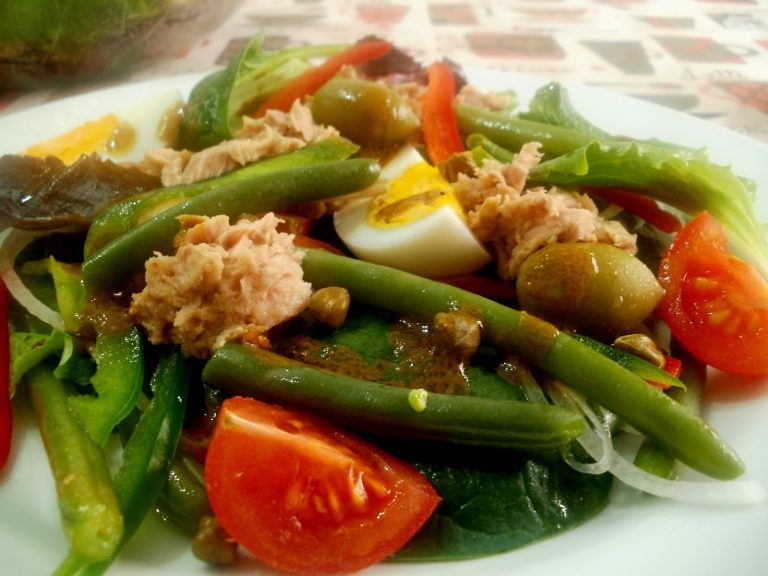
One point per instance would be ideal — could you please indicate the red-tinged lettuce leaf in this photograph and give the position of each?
(45, 194)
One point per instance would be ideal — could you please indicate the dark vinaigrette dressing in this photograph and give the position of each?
(407, 352)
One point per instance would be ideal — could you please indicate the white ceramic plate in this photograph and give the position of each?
(636, 536)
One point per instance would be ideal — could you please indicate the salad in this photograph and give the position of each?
(438, 369)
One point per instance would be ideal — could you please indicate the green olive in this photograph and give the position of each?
(368, 113)
(597, 289)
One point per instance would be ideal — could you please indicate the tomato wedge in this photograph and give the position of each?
(715, 303)
(305, 497)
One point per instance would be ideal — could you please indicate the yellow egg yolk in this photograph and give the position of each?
(416, 224)
(107, 134)
(418, 192)
(122, 136)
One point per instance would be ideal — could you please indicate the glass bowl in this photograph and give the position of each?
(47, 42)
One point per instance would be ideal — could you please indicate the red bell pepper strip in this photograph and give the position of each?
(438, 122)
(639, 205)
(6, 411)
(672, 366)
(310, 81)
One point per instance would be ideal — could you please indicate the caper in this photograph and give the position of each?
(330, 305)
(642, 346)
(183, 500)
(597, 289)
(368, 113)
(211, 544)
(459, 330)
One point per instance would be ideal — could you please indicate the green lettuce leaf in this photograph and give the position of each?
(70, 292)
(217, 103)
(686, 180)
(552, 105)
(28, 349)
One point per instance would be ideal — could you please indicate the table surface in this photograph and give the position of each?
(707, 57)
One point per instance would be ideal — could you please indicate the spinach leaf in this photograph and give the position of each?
(365, 332)
(492, 500)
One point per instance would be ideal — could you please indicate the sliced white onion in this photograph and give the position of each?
(12, 242)
(604, 454)
(595, 433)
(730, 492)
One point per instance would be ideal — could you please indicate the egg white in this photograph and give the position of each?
(146, 120)
(122, 136)
(439, 244)
(399, 162)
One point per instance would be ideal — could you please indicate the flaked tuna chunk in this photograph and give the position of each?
(472, 96)
(226, 282)
(274, 133)
(517, 221)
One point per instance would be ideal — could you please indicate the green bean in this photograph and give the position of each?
(635, 364)
(512, 132)
(147, 457)
(123, 216)
(183, 500)
(654, 458)
(90, 511)
(116, 262)
(645, 407)
(490, 147)
(387, 410)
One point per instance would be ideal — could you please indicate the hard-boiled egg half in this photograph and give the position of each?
(416, 224)
(122, 136)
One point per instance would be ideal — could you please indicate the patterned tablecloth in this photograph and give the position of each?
(704, 57)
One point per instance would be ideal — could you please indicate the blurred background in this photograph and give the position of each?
(705, 57)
